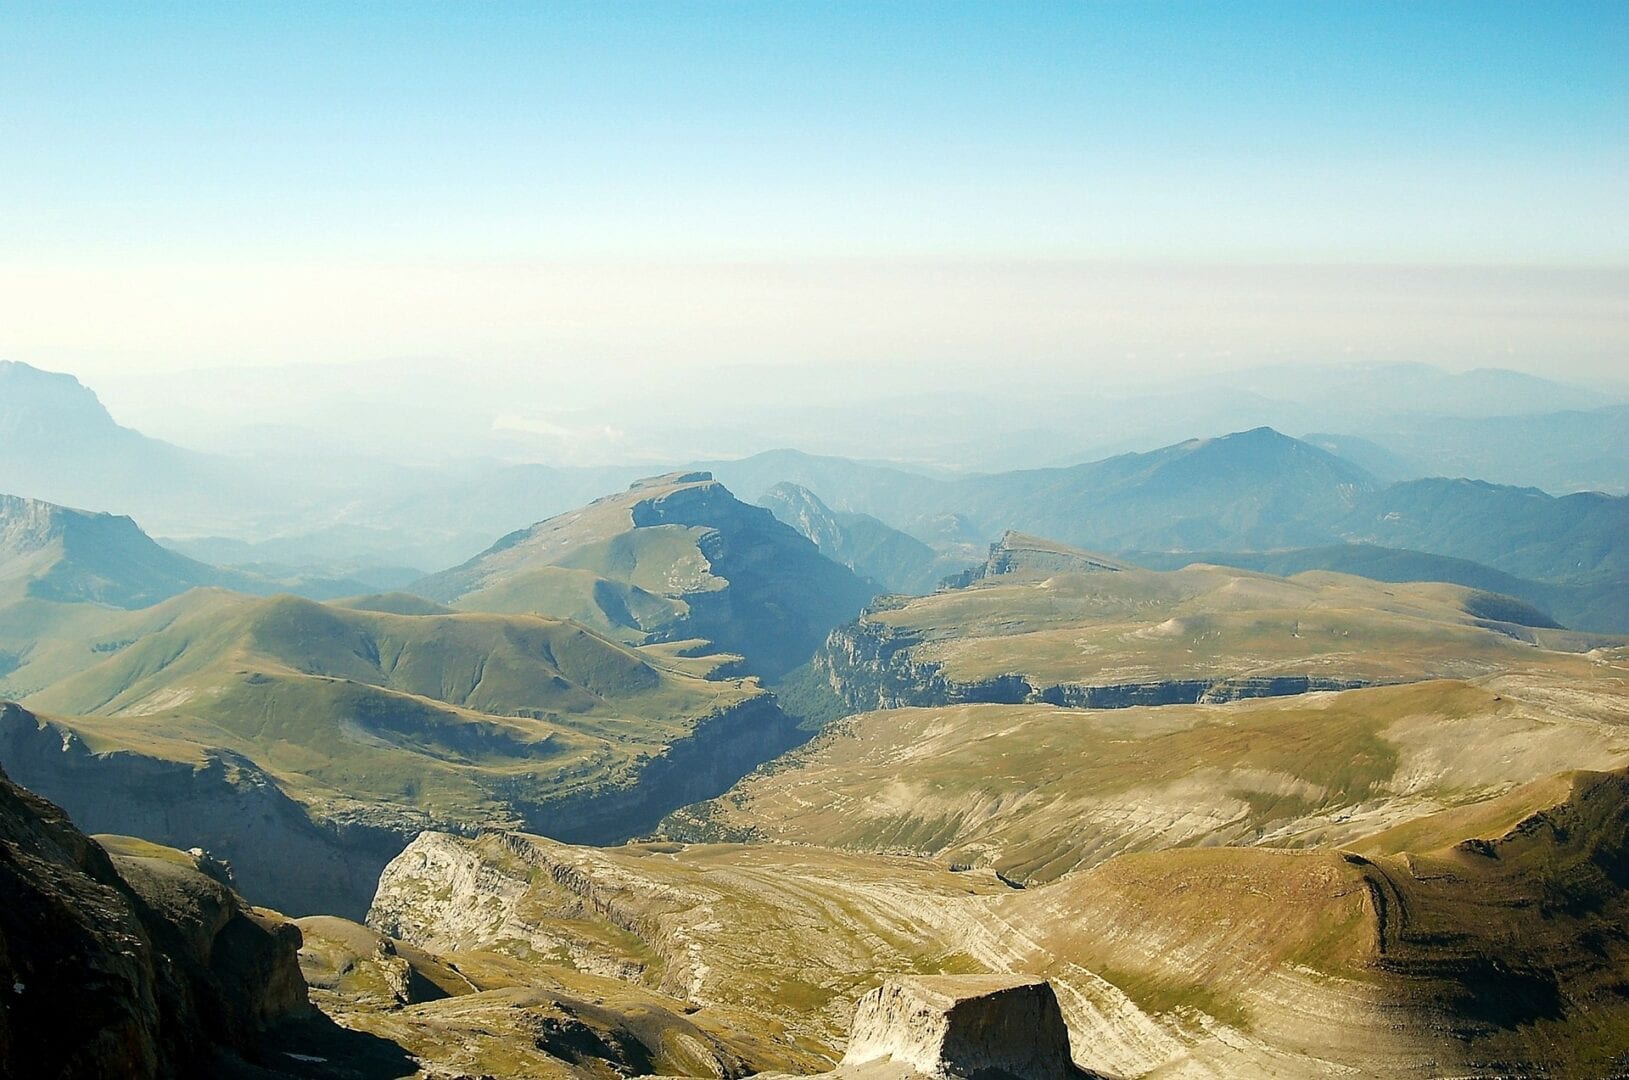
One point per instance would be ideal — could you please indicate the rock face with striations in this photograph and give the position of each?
(964, 1026)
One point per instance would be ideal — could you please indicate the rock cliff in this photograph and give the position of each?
(135, 965)
(871, 665)
(964, 1026)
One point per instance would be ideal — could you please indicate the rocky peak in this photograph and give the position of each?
(1020, 553)
(963, 1026)
(37, 404)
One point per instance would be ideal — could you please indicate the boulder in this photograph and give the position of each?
(963, 1026)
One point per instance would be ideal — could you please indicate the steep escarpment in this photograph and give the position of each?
(325, 855)
(1113, 637)
(132, 966)
(218, 801)
(872, 666)
(720, 749)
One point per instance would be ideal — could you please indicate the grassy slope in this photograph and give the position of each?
(674, 556)
(1499, 956)
(1037, 791)
(1502, 956)
(442, 713)
(1205, 622)
(1601, 606)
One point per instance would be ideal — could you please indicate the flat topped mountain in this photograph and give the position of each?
(56, 553)
(1043, 630)
(671, 558)
(1019, 554)
(964, 1026)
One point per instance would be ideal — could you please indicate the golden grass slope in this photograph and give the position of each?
(1204, 623)
(1035, 791)
(1500, 954)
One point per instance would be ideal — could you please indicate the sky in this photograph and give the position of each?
(615, 191)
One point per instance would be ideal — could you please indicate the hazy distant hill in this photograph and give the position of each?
(58, 443)
(1251, 491)
(897, 561)
(671, 558)
(1246, 489)
(1561, 452)
(55, 553)
(1603, 608)
(1521, 531)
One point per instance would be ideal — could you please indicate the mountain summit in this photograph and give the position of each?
(674, 557)
(55, 553)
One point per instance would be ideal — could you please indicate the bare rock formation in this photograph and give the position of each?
(963, 1026)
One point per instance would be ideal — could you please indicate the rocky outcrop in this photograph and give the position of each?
(870, 666)
(1019, 554)
(964, 1026)
(128, 966)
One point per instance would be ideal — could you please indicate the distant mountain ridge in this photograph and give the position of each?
(896, 560)
(55, 553)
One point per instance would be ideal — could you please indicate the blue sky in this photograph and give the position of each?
(607, 189)
(1475, 132)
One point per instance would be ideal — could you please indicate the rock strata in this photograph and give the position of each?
(963, 1026)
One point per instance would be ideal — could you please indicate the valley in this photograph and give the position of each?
(670, 782)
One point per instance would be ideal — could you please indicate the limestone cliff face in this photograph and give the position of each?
(443, 893)
(871, 666)
(225, 805)
(128, 966)
(963, 1026)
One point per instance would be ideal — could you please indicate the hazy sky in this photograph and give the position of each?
(615, 188)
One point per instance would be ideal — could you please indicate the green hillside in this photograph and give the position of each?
(1045, 623)
(1037, 791)
(675, 557)
(389, 722)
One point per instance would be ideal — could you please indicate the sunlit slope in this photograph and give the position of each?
(479, 1013)
(1036, 791)
(364, 727)
(1498, 952)
(1502, 954)
(672, 558)
(365, 705)
(1120, 635)
(790, 937)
